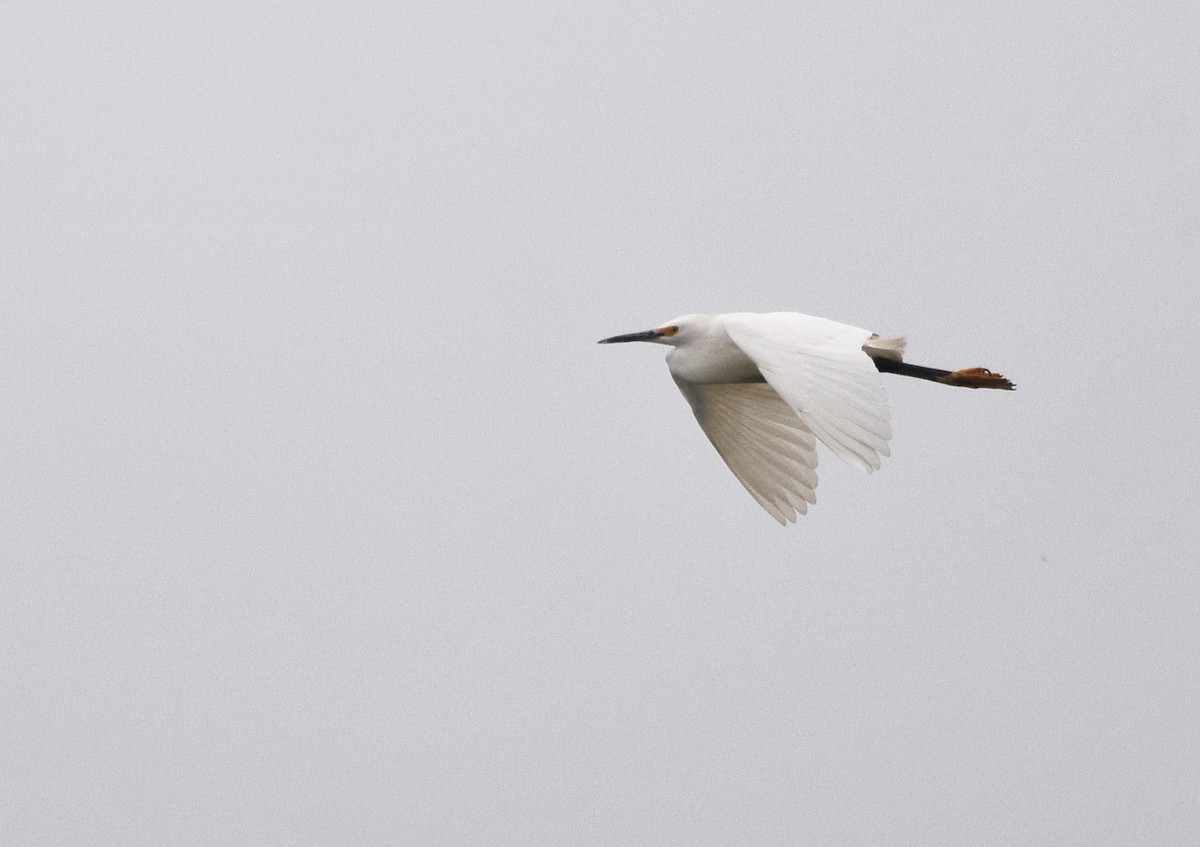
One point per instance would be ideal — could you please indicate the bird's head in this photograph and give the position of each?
(672, 333)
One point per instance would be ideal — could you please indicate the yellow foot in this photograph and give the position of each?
(977, 378)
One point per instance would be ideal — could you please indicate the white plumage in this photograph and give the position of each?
(766, 387)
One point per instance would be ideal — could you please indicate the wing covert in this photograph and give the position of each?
(820, 371)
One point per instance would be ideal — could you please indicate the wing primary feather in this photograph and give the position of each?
(763, 458)
(766, 445)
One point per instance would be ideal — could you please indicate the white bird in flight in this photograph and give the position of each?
(764, 388)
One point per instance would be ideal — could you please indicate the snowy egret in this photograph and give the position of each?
(764, 388)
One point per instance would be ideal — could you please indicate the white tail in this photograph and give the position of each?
(878, 347)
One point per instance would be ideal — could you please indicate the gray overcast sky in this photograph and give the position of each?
(326, 521)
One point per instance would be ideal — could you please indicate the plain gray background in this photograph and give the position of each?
(325, 520)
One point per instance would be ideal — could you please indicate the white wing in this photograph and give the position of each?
(768, 448)
(820, 370)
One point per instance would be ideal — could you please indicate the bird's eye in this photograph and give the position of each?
(668, 331)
